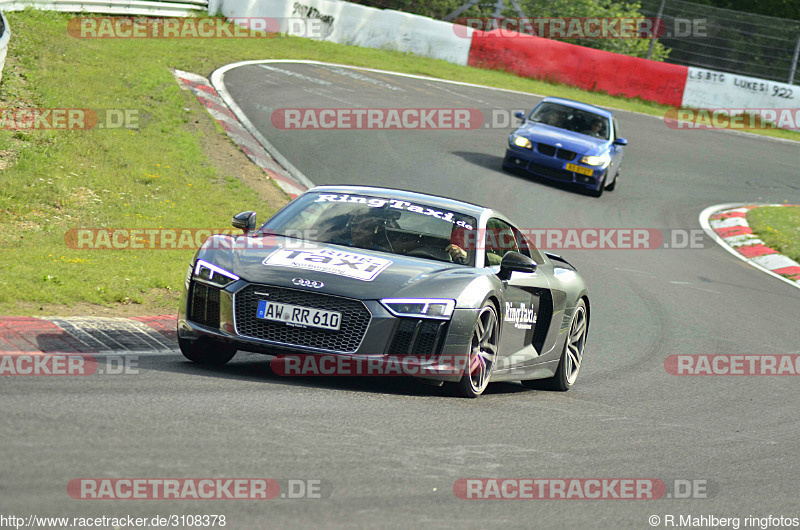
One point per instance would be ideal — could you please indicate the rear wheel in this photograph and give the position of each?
(570, 363)
(482, 354)
(205, 351)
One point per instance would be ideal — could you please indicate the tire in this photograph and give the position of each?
(482, 354)
(204, 351)
(570, 363)
(598, 192)
(613, 185)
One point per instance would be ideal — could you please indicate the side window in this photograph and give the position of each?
(527, 247)
(616, 130)
(500, 238)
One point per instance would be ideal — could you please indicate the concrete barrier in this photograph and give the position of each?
(354, 24)
(708, 89)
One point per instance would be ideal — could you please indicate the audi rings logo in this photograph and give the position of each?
(302, 282)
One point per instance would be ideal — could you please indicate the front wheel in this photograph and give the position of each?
(482, 354)
(204, 351)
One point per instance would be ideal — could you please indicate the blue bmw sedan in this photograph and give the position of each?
(568, 141)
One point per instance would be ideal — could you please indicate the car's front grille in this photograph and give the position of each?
(417, 336)
(551, 150)
(555, 174)
(545, 149)
(564, 154)
(204, 305)
(354, 322)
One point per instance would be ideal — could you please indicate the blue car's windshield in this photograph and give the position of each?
(571, 119)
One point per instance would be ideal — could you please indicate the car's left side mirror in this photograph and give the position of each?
(519, 114)
(515, 262)
(620, 141)
(244, 221)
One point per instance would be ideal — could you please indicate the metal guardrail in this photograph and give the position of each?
(156, 8)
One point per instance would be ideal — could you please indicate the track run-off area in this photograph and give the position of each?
(389, 451)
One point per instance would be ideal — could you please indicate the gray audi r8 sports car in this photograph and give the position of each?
(456, 290)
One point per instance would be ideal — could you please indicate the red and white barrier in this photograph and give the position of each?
(586, 68)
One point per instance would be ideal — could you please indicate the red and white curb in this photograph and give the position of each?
(99, 335)
(727, 225)
(241, 136)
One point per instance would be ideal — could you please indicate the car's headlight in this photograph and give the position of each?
(420, 307)
(521, 141)
(210, 273)
(602, 160)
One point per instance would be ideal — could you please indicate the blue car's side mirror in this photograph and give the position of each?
(519, 114)
(620, 141)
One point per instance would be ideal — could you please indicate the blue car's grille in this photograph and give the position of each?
(551, 150)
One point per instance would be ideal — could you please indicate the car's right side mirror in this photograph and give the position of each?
(515, 262)
(519, 114)
(244, 221)
(621, 141)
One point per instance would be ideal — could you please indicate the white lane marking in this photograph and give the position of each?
(326, 94)
(634, 270)
(690, 286)
(359, 77)
(704, 223)
(299, 76)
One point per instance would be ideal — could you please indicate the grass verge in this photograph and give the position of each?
(778, 227)
(175, 170)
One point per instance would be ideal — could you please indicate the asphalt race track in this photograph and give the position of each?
(390, 450)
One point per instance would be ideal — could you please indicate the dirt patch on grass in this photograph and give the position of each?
(229, 160)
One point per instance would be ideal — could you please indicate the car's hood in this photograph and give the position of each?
(283, 261)
(580, 143)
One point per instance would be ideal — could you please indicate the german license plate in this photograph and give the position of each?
(296, 315)
(580, 169)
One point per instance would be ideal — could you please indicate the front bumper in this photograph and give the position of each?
(551, 168)
(440, 347)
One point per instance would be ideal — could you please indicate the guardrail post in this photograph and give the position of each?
(794, 61)
(656, 28)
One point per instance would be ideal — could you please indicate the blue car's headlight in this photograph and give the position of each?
(521, 141)
(420, 307)
(603, 160)
(210, 273)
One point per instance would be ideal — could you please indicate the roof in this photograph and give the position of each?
(580, 106)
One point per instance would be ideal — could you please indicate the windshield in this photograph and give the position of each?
(570, 119)
(377, 223)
